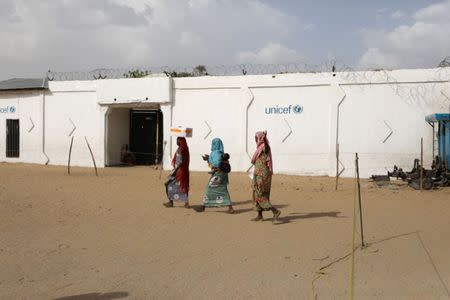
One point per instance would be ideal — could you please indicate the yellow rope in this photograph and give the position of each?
(352, 264)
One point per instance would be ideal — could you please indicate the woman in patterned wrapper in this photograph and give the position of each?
(177, 184)
(262, 177)
(216, 192)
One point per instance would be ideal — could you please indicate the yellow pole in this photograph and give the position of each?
(352, 261)
(421, 163)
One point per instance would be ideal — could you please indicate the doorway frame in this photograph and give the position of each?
(107, 111)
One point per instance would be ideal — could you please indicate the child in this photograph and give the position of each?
(225, 164)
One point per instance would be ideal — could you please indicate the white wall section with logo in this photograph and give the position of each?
(380, 115)
(27, 108)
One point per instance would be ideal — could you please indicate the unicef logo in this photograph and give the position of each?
(7, 109)
(298, 109)
(284, 110)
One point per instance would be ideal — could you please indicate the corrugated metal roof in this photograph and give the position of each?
(23, 84)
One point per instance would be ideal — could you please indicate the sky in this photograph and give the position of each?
(82, 35)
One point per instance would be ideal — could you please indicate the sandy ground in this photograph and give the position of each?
(109, 237)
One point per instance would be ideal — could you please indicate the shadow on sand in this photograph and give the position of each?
(96, 296)
(199, 208)
(296, 216)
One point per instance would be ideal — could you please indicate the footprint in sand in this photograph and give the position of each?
(63, 246)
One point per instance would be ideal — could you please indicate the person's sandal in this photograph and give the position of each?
(276, 215)
(231, 210)
(258, 218)
(168, 204)
(186, 205)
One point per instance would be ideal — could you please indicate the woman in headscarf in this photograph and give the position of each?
(177, 184)
(262, 177)
(216, 193)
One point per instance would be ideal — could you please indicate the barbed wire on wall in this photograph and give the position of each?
(445, 62)
(329, 66)
(189, 71)
(167, 71)
(418, 94)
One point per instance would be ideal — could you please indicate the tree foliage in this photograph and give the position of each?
(178, 74)
(136, 73)
(199, 70)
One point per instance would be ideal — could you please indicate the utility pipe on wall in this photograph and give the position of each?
(338, 173)
(43, 128)
(106, 115)
(250, 101)
(157, 137)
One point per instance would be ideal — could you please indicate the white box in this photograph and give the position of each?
(181, 131)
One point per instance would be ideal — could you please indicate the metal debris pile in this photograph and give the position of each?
(437, 176)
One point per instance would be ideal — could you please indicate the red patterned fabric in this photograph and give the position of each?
(262, 143)
(183, 172)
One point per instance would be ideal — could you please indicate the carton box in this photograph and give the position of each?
(181, 131)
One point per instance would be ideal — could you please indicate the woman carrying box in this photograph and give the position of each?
(177, 184)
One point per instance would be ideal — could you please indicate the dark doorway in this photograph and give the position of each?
(146, 132)
(12, 138)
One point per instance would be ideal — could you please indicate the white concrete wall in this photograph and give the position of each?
(73, 114)
(300, 141)
(28, 109)
(218, 109)
(380, 115)
(370, 112)
(166, 110)
(79, 108)
(147, 90)
(76, 109)
(372, 104)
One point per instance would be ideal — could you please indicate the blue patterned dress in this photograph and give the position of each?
(173, 190)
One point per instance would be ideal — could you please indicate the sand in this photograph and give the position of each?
(109, 237)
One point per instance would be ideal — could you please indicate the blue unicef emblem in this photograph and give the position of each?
(298, 109)
(12, 109)
(284, 110)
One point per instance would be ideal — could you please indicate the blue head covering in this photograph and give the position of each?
(215, 157)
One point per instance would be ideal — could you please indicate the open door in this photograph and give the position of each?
(146, 136)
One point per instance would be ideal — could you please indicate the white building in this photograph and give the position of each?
(380, 115)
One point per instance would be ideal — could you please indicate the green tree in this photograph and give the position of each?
(200, 70)
(136, 73)
(178, 74)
